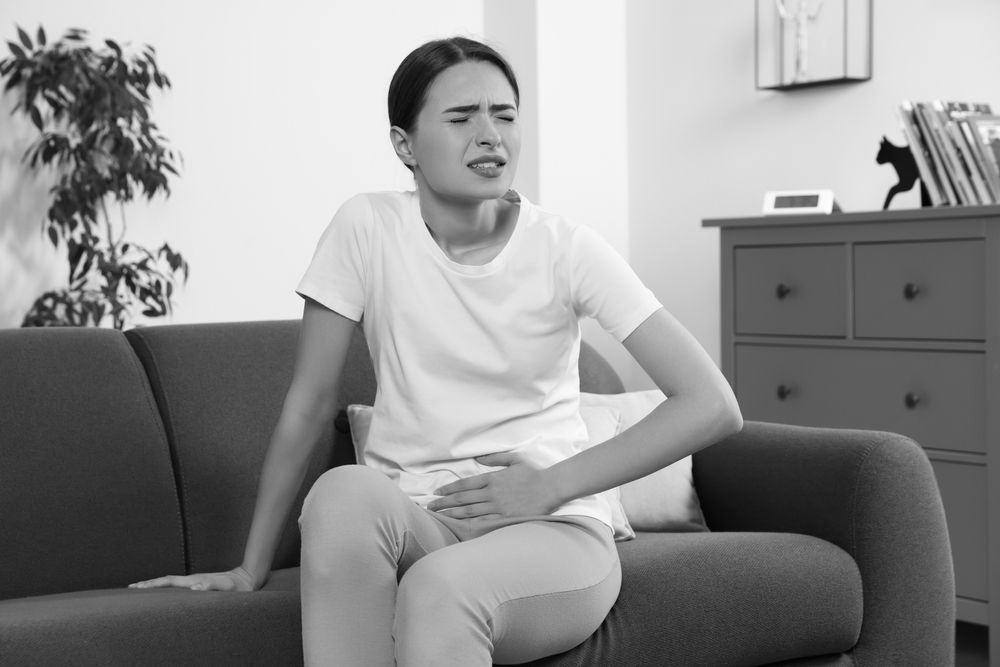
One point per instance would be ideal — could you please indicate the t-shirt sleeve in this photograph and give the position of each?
(337, 273)
(605, 287)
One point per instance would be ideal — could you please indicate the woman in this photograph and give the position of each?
(476, 532)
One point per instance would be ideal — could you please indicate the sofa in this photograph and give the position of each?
(125, 456)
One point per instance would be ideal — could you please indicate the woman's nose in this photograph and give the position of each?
(488, 134)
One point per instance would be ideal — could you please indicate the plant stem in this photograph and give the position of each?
(107, 223)
(121, 206)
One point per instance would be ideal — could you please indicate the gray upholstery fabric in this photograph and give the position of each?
(700, 598)
(596, 374)
(220, 388)
(828, 547)
(726, 599)
(872, 494)
(87, 495)
(120, 626)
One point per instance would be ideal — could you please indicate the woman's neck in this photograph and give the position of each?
(461, 227)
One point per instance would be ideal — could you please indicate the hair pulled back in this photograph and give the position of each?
(408, 88)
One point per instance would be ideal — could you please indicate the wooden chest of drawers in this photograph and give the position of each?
(887, 320)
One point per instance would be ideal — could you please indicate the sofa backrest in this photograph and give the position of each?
(87, 495)
(220, 388)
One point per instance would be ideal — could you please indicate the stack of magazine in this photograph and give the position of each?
(956, 146)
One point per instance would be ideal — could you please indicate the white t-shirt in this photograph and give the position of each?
(472, 360)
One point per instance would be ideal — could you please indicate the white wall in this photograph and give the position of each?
(583, 131)
(647, 122)
(510, 26)
(704, 143)
(279, 111)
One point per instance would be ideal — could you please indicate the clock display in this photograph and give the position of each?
(796, 201)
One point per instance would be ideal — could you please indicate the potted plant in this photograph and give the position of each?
(91, 108)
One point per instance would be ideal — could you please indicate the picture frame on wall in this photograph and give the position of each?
(807, 43)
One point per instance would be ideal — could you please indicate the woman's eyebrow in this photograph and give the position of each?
(469, 108)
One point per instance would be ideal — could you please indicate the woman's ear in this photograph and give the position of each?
(401, 144)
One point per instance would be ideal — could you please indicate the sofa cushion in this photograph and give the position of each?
(86, 488)
(687, 598)
(156, 627)
(220, 388)
(726, 599)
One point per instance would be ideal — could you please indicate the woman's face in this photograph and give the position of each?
(467, 140)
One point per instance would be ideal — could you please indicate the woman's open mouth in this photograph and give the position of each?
(487, 167)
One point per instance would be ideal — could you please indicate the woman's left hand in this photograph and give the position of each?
(520, 489)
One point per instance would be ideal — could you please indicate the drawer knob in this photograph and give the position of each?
(784, 391)
(911, 400)
(782, 290)
(910, 291)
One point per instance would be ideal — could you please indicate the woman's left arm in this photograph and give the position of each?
(701, 410)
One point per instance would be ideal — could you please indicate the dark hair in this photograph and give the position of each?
(408, 89)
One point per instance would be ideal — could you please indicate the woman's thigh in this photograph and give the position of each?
(540, 586)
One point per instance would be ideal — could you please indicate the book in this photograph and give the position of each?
(953, 163)
(986, 130)
(935, 150)
(911, 132)
(960, 113)
(951, 113)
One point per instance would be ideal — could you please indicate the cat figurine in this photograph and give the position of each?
(905, 165)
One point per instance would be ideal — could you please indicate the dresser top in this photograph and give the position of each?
(901, 215)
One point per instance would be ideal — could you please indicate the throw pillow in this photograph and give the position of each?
(664, 500)
(602, 423)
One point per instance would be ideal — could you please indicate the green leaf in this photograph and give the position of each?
(14, 79)
(36, 117)
(41, 36)
(24, 38)
(53, 236)
(114, 47)
(16, 50)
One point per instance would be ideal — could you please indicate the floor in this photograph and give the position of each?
(971, 645)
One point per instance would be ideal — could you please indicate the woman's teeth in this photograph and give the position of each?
(485, 165)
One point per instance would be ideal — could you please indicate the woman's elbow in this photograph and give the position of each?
(728, 418)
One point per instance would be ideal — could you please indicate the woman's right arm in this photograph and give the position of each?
(309, 405)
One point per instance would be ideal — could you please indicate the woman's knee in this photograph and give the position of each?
(348, 490)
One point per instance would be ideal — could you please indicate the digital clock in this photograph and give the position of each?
(798, 202)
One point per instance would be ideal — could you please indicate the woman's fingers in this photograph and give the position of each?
(217, 581)
(469, 511)
(458, 499)
(179, 581)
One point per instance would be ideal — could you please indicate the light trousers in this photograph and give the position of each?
(387, 582)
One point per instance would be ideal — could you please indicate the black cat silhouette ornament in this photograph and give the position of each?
(902, 161)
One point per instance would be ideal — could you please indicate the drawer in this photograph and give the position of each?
(963, 491)
(926, 290)
(791, 290)
(936, 398)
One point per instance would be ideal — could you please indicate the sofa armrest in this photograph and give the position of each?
(871, 493)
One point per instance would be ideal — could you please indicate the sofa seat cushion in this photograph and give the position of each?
(165, 626)
(727, 599)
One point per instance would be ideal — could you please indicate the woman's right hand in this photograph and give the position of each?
(237, 579)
